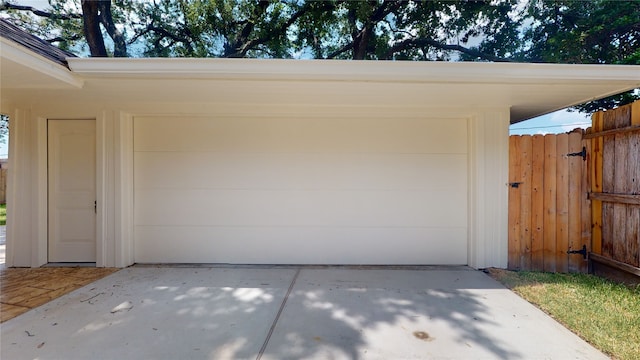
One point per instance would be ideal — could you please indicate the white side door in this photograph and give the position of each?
(72, 190)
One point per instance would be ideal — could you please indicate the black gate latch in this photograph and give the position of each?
(582, 251)
(582, 153)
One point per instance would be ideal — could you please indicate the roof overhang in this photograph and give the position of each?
(21, 68)
(529, 90)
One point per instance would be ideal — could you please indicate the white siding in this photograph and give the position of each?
(300, 190)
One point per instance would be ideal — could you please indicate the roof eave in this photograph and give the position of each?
(18, 54)
(352, 70)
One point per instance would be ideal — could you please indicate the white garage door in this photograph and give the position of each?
(300, 191)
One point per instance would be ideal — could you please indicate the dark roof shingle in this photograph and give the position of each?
(33, 43)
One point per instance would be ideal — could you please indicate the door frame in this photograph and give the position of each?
(39, 256)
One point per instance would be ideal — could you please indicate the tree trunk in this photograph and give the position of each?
(361, 43)
(92, 32)
(119, 44)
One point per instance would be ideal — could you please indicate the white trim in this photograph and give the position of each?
(22, 189)
(20, 55)
(13, 226)
(472, 250)
(41, 177)
(353, 70)
(101, 189)
(124, 187)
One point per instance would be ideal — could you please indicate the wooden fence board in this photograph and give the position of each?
(3, 186)
(616, 198)
(514, 203)
(635, 113)
(632, 243)
(525, 201)
(595, 173)
(620, 159)
(633, 188)
(609, 120)
(549, 231)
(633, 183)
(631, 129)
(633, 166)
(622, 116)
(585, 208)
(575, 191)
(562, 203)
(537, 202)
(608, 176)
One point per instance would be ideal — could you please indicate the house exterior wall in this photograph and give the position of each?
(487, 143)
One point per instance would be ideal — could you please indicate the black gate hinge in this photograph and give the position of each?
(582, 252)
(582, 153)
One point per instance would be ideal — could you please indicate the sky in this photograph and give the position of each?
(554, 123)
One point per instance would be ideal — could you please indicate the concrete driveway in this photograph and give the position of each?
(290, 313)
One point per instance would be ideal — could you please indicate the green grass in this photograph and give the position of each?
(604, 313)
(3, 214)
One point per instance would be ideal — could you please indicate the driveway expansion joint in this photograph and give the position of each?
(277, 317)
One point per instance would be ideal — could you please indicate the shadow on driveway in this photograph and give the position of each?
(237, 312)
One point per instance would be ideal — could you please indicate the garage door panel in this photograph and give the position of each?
(319, 245)
(299, 208)
(337, 135)
(300, 190)
(198, 170)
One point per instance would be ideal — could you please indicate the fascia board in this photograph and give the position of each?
(347, 70)
(18, 54)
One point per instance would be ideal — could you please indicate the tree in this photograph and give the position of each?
(561, 31)
(94, 14)
(575, 32)
(380, 29)
(65, 21)
(588, 32)
(4, 128)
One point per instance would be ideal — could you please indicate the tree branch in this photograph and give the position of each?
(342, 50)
(361, 37)
(8, 6)
(163, 33)
(62, 39)
(240, 47)
(421, 42)
(281, 30)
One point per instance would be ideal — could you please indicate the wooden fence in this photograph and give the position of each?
(615, 186)
(577, 190)
(3, 181)
(548, 206)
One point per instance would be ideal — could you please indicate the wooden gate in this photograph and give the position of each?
(615, 187)
(548, 206)
(577, 191)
